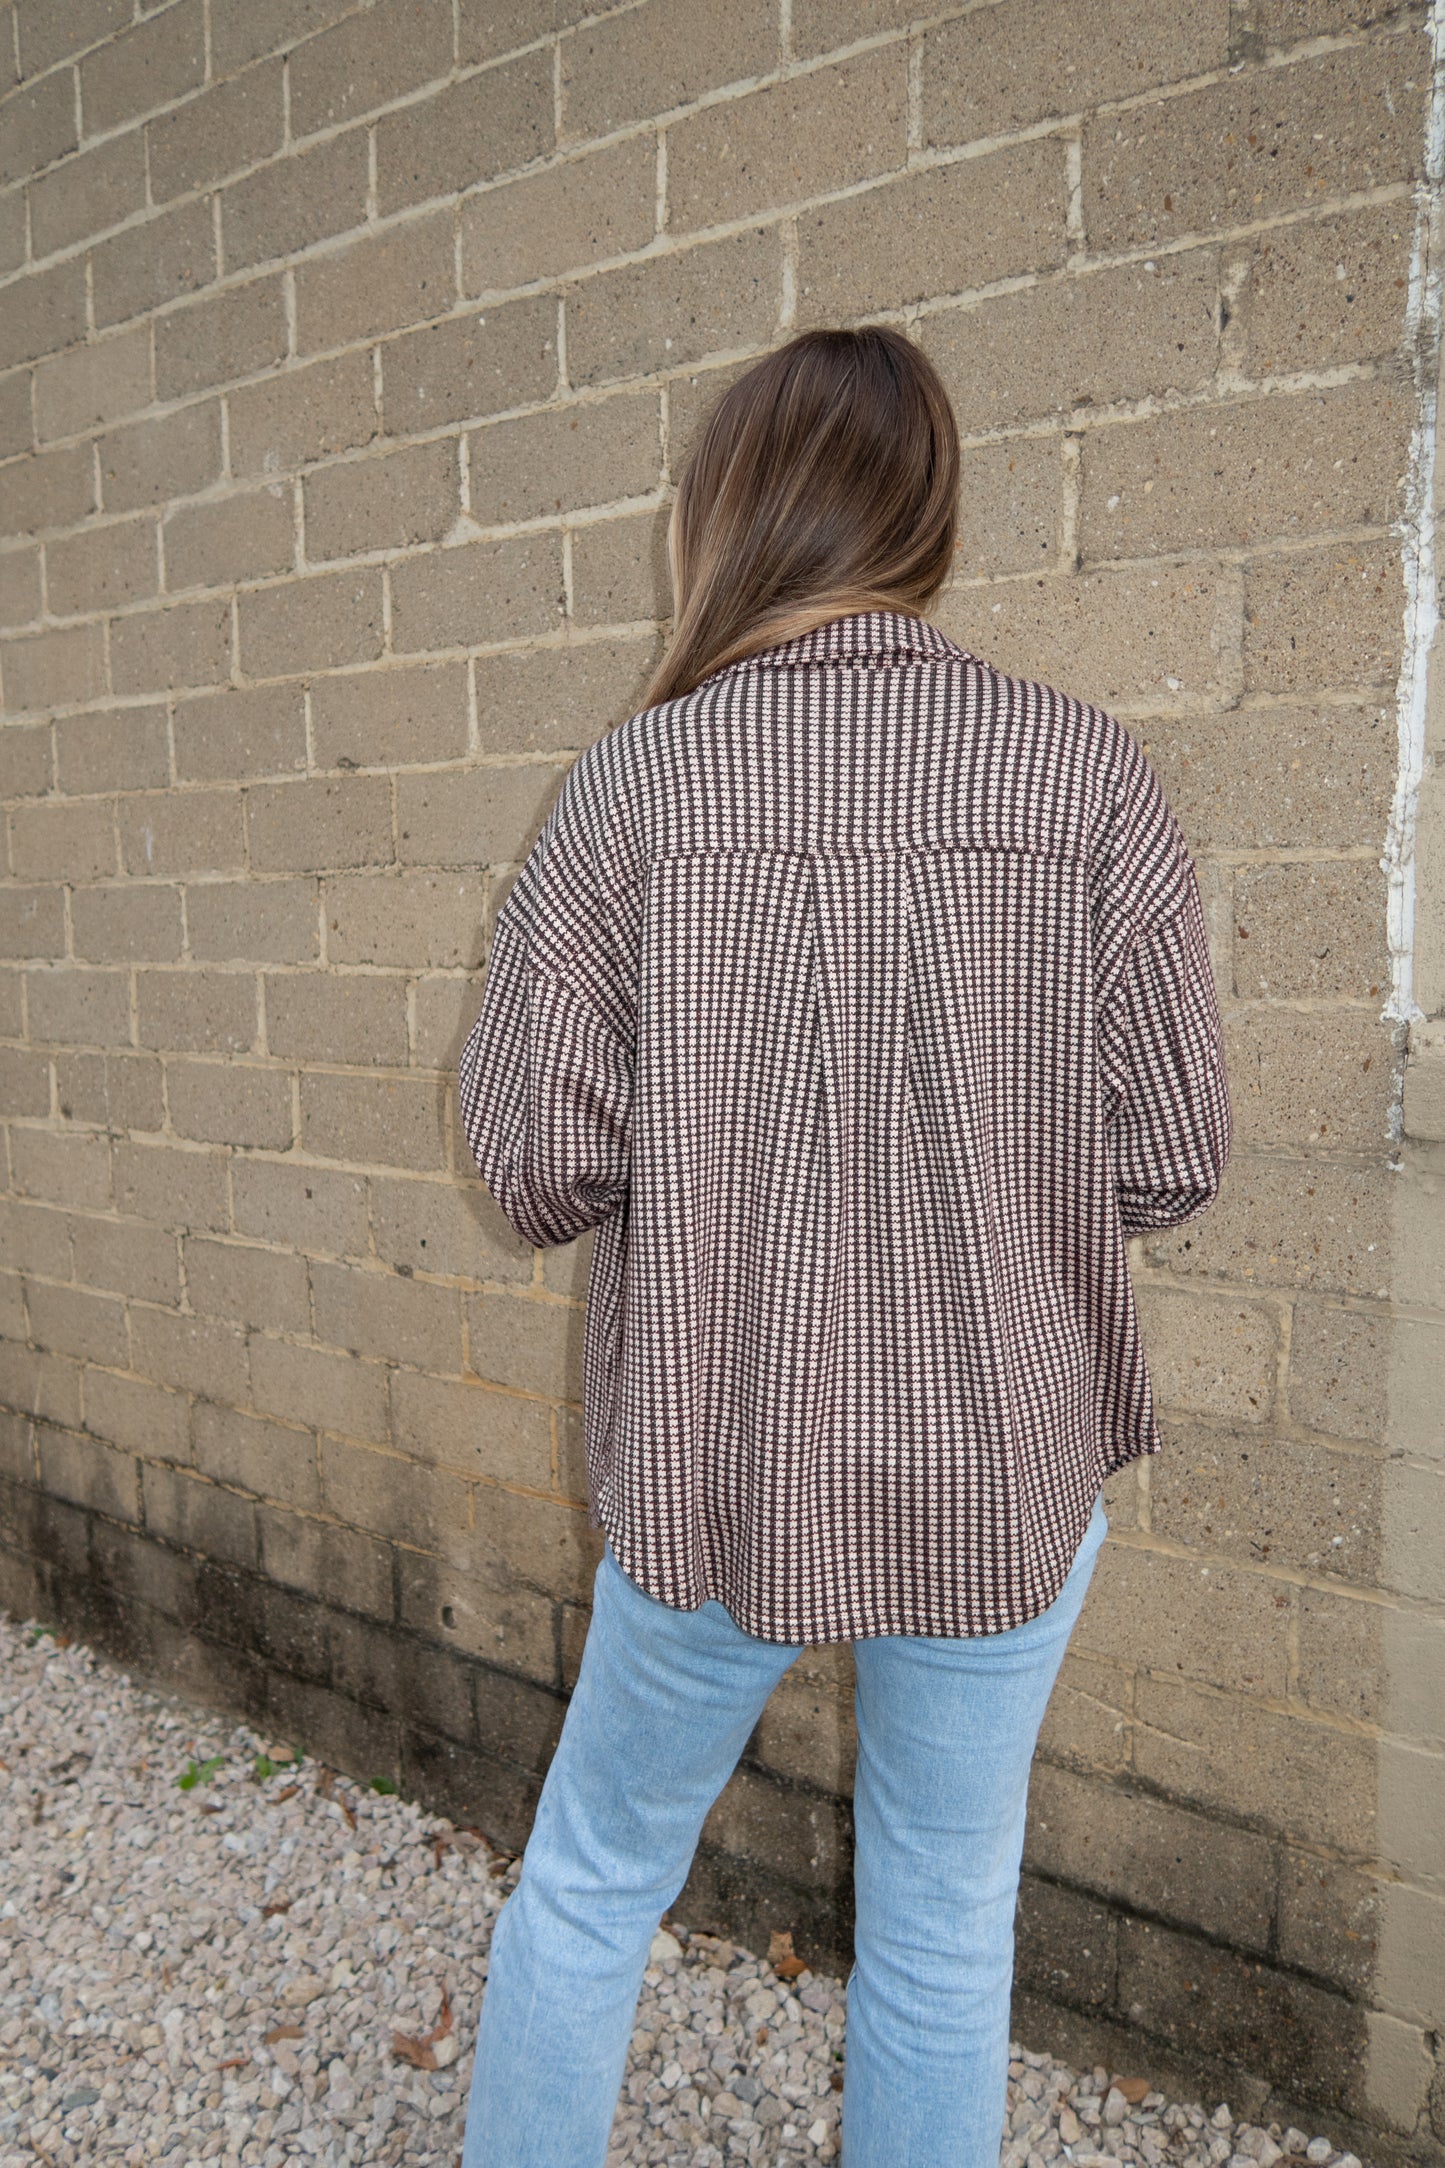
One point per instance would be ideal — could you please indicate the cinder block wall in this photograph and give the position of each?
(349, 354)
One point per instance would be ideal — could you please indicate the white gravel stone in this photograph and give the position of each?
(217, 1973)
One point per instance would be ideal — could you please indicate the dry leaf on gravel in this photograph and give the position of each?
(456, 1840)
(418, 2050)
(782, 1957)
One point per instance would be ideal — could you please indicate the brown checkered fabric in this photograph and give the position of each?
(860, 999)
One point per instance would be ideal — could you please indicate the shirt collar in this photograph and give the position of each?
(862, 634)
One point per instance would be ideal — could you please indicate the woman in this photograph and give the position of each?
(857, 993)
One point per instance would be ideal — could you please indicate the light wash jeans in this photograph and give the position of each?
(664, 1704)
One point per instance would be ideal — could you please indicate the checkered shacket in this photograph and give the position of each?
(860, 999)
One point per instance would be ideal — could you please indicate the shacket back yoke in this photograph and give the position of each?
(764, 756)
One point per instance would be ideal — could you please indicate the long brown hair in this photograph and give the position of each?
(825, 481)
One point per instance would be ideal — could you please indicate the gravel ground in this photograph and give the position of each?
(211, 1950)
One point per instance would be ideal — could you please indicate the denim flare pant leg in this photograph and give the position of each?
(664, 1704)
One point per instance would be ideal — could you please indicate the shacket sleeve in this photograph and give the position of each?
(1162, 1058)
(546, 1075)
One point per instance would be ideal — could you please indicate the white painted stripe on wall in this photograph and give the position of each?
(1416, 529)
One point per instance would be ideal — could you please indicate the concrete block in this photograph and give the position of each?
(137, 1415)
(388, 1121)
(327, 1391)
(1212, 1622)
(1304, 1778)
(1147, 1855)
(150, 462)
(319, 1557)
(48, 489)
(302, 826)
(269, 921)
(44, 311)
(1328, 617)
(391, 1494)
(481, 363)
(473, 816)
(150, 64)
(53, 669)
(70, 1321)
(141, 1262)
(502, 1623)
(416, 920)
(296, 201)
(172, 1185)
(940, 231)
(380, 283)
(466, 133)
(380, 1313)
(599, 451)
(159, 650)
(46, 36)
(392, 718)
(619, 577)
(630, 66)
(304, 413)
(1125, 332)
(556, 699)
(478, 593)
(313, 1209)
(320, 623)
(1311, 931)
(1272, 1500)
(236, 333)
(102, 566)
(243, 536)
(1255, 142)
(1291, 1223)
(170, 254)
(74, 842)
(369, 60)
(228, 1103)
(85, 195)
(1228, 476)
(385, 502)
(77, 1007)
(802, 137)
(1324, 293)
(197, 1011)
(1197, 1994)
(631, 321)
(127, 924)
(87, 1473)
(1011, 513)
(37, 126)
(1209, 1354)
(352, 1017)
(530, 1345)
(561, 219)
(1067, 630)
(998, 69)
